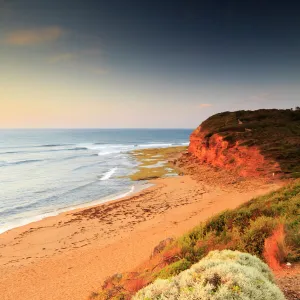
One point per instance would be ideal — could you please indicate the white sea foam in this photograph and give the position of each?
(107, 153)
(105, 147)
(155, 145)
(109, 149)
(127, 193)
(157, 165)
(108, 174)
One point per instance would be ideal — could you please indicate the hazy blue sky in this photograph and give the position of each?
(144, 63)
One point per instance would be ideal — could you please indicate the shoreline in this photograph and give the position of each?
(75, 251)
(135, 188)
(136, 185)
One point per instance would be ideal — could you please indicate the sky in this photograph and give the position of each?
(144, 64)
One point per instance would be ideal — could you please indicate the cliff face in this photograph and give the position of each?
(250, 143)
(215, 151)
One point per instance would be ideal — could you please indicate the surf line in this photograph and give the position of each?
(108, 174)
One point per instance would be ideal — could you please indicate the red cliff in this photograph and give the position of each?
(217, 152)
(250, 143)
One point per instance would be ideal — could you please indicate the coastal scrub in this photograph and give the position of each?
(220, 275)
(267, 227)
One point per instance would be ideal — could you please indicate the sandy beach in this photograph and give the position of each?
(68, 256)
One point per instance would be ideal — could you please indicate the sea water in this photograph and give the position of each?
(46, 171)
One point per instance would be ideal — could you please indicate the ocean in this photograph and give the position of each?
(47, 171)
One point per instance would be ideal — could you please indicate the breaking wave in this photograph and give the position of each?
(108, 174)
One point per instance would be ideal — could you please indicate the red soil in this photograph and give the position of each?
(217, 152)
(273, 250)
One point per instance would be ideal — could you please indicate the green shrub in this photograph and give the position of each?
(189, 240)
(217, 223)
(221, 275)
(293, 240)
(174, 268)
(247, 227)
(258, 231)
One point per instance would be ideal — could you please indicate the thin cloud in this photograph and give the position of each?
(33, 36)
(62, 57)
(204, 105)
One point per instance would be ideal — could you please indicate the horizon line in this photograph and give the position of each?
(102, 128)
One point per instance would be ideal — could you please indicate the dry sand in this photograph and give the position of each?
(69, 255)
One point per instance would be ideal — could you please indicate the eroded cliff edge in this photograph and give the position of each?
(250, 143)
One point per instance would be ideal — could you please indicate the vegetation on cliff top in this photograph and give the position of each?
(220, 275)
(275, 132)
(267, 227)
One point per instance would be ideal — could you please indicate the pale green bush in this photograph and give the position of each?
(221, 275)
